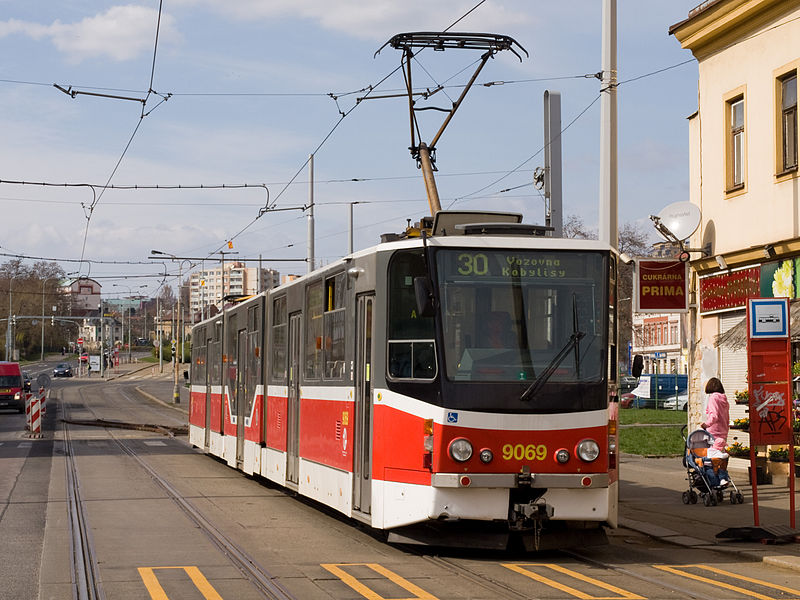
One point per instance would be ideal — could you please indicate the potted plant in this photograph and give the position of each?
(779, 455)
(742, 397)
(743, 424)
(737, 450)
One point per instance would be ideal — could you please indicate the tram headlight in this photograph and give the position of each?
(588, 450)
(460, 450)
(562, 455)
(486, 456)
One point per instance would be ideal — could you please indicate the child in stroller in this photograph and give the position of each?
(705, 474)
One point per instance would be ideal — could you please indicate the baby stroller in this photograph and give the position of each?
(701, 471)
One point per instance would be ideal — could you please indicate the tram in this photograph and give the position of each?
(453, 387)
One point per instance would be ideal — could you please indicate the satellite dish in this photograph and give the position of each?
(681, 219)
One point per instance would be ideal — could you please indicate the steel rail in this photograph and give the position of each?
(85, 577)
(261, 579)
(496, 588)
(247, 565)
(682, 591)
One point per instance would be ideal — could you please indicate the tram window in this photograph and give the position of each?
(279, 327)
(230, 360)
(314, 343)
(412, 360)
(333, 326)
(412, 351)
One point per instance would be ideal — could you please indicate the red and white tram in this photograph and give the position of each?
(429, 386)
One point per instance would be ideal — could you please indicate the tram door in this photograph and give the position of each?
(207, 371)
(293, 408)
(241, 392)
(362, 457)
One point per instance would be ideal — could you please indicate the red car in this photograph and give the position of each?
(84, 357)
(626, 400)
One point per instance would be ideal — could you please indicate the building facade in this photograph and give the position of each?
(208, 287)
(743, 177)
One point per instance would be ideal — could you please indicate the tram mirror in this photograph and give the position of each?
(186, 375)
(422, 290)
(638, 365)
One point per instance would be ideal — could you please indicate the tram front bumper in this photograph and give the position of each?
(515, 480)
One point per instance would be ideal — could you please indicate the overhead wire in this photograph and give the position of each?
(560, 133)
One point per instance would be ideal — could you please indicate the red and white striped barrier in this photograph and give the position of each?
(36, 416)
(28, 397)
(42, 400)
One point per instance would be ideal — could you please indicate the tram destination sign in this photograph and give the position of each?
(523, 265)
(661, 286)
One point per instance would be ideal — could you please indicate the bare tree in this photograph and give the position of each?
(633, 241)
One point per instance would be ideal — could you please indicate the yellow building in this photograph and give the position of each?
(743, 176)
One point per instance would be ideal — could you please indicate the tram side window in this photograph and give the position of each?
(313, 345)
(279, 332)
(412, 350)
(230, 360)
(198, 370)
(333, 325)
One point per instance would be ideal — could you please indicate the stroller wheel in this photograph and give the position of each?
(685, 497)
(707, 499)
(693, 497)
(720, 496)
(733, 498)
(739, 498)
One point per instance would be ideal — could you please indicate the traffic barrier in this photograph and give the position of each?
(36, 416)
(42, 400)
(28, 397)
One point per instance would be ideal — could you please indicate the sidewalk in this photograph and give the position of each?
(650, 503)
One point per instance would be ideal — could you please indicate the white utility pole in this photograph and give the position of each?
(607, 218)
(310, 252)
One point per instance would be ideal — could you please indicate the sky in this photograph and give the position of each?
(242, 93)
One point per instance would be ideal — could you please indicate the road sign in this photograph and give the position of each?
(659, 355)
(80, 341)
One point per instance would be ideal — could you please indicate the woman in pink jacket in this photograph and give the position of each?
(716, 423)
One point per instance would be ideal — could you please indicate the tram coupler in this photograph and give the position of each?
(523, 516)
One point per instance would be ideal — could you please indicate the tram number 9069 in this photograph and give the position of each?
(522, 452)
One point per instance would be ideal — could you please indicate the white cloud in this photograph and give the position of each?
(121, 33)
(378, 19)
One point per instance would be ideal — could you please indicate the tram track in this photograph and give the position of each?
(85, 566)
(85, 576)
(502, 591)
(684, 592)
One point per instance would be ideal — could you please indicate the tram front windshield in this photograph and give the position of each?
(531, 316)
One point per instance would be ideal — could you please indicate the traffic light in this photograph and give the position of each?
(14, 320)
(53, 320)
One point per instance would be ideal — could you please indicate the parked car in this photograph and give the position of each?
(679, 402)
(62, 370)
(626, 400)
(628, 383)
(11, 391)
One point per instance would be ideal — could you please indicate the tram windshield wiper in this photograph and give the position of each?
(572, 342)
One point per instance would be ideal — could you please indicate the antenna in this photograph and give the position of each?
(676, 223)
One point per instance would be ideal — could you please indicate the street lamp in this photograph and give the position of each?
(130, 293)
(176, 393)
(44, 283)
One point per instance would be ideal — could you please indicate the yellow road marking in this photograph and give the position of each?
(676, 570)
(157, 592)
(371, 594)
(520, 568)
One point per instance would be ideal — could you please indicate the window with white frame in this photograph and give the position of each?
(735, 145)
